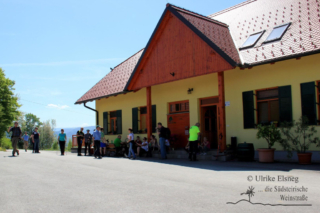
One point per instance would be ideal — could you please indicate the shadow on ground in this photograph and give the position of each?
(235, 165)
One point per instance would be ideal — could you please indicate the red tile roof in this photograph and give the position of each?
(216, 31)
(249, 17)
(302, 36)
(114, 82)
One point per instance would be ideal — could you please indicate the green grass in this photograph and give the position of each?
(2, 149)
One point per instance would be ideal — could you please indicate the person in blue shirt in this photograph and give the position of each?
(62, 138)
(25, 140)
(96, 138)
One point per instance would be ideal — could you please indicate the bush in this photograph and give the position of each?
(69, 145)
(270, 133)
(299, 136)
(6, 143)
(55, 146)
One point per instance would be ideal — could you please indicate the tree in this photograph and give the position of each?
(31, 122)
(47, 136)
(8, 103)
(69, 145)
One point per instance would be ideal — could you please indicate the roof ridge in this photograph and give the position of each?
(232, 8)
(126, 60)
(197, 15)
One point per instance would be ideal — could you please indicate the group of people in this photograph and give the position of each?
(17, 135)
(130, 148)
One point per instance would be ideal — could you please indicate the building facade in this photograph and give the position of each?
(257, 62)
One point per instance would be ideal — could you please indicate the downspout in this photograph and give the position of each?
(97, 113)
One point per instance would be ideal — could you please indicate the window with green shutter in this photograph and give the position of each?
(139, 119)
(135, 120)
(308, 101)
(248, 109)
(318, 101)
(119, 121)
(268, 106)
(105, 123)
(285, 104)
(154, 118)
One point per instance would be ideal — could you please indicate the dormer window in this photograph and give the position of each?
(252, 40)
(277, 33)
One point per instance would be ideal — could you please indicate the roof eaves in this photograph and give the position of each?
(105, 96)
(298, 55)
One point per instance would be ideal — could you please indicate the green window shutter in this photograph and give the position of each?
(119, 122)
(135, 120)
(105, 122)
(248, 109)
(154, 118)
(285, 104)
(308, 102)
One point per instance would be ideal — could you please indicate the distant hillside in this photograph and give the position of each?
(73, 131)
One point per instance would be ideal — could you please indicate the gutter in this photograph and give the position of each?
(97, 113)
(246, 65)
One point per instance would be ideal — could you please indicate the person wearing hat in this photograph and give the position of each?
(96, 138)
(62, 138)
(87, 142)
(15, 137)
(80, 136)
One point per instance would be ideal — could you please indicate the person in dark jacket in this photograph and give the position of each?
(15, 137)
(80, 137)
(36, 140)
(162, 132)
(87, 141)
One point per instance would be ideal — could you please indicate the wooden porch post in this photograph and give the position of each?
(149, 113)
(222, 114)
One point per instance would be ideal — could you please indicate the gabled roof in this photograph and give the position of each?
(114, 82)
(228, 29)
(216, 34)
(301, 38)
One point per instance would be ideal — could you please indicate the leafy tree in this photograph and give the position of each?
(55, 145)
(8, 103)
(31, 122)
(69, 145)
(47, 136)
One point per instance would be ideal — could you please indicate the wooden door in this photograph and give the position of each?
(178, 124)
(209, 125)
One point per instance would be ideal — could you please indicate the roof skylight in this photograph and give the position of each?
(252, 40)
(277, 33)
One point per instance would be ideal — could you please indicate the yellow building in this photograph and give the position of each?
(257, 62)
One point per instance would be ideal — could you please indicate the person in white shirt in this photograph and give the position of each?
(130, 140)
(143, 148)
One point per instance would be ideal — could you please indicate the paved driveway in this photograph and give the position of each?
(48, 182)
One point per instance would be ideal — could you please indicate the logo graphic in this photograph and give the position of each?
(250, 193)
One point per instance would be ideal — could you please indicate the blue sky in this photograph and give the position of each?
(56, 50)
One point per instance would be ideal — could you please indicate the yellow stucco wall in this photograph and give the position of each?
(204, 86)
(290, 72)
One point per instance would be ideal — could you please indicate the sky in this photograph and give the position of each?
(56, 50)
